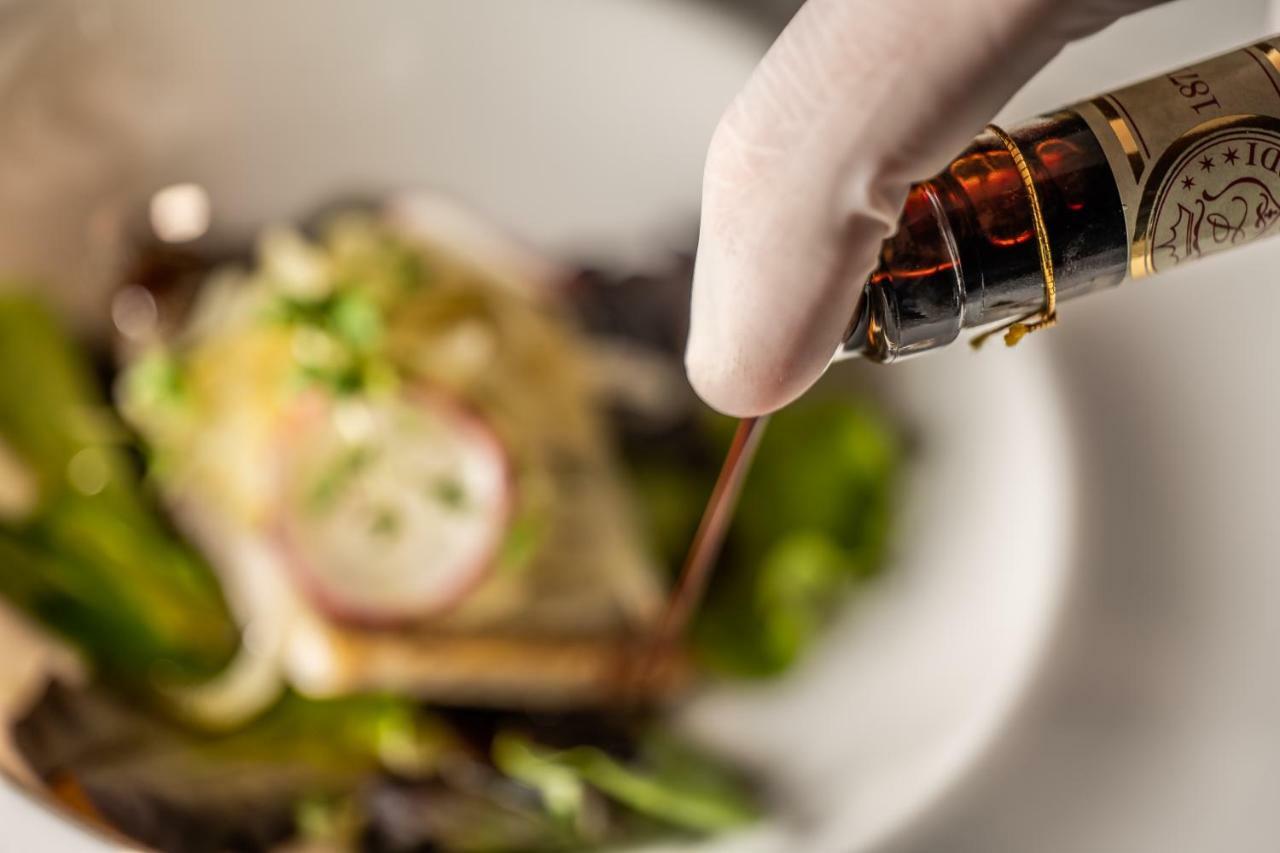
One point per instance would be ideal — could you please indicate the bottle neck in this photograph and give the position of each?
(1136, 181)
(965, 253)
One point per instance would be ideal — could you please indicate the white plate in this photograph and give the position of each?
(582, 125)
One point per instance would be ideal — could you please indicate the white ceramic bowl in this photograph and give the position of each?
(580, 124)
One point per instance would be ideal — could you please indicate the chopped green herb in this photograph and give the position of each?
(413, 270)
(386, 522)
(355, 319)
(157, 379)
(522, 542)
(337, 476)
(345, 381)
(294, 311)
(449, 492)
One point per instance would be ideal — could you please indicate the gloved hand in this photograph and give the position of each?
(810, 167)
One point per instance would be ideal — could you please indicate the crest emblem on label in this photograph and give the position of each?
(1217, 188)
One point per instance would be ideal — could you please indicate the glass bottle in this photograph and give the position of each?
(1129, 183)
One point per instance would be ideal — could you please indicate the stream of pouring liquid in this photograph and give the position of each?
(707, 541)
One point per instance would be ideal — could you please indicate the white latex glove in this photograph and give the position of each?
(810, 167)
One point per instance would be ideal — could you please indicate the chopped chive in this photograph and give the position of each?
(449, 492)
(335, 478)
(386, 522)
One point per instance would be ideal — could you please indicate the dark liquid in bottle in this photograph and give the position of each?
(965, 252)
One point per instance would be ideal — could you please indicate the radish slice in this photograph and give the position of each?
(395, 510)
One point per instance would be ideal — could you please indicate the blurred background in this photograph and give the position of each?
(1095, 517)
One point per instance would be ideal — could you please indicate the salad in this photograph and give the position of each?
(358, 540)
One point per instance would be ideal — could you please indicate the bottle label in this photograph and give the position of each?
(1196, 156)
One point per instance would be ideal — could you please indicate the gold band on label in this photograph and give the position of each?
(1046, 317)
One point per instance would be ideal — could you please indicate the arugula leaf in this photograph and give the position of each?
(667, 783)
(812, 523)
(177, 789)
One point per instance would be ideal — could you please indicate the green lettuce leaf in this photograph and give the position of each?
(667, 783)
(94, 561)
